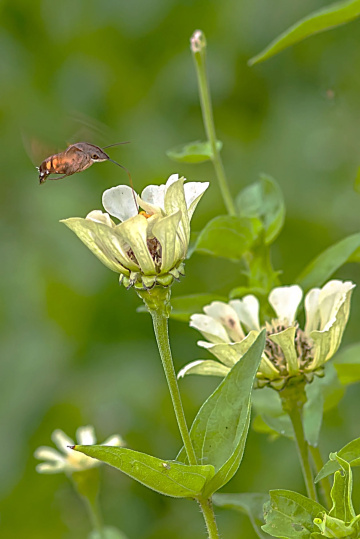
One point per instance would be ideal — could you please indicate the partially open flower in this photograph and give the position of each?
(67, 460)
(231, 328)
(146, 247)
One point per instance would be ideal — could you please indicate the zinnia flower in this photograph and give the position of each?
(231, 328)
(146, 247)
(66, 459)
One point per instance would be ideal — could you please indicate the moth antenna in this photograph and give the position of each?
(117, 144)
(130, 178)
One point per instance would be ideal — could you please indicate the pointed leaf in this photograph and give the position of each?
(318, 21)
(263, 200)
(290, 515)
(323, 266)
(220, 428)
(165, 476)
(227, 237)
(350, 453)
(249, 503)
(341, 492)
(194, 152)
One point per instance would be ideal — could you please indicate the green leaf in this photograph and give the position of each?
(194, 152)
(357, 181)
(164, 476)
(107, 533)
(313, 413)
(347, 364)
(290, 515)
(263, 200)
(323, 266)
(228, 237)
(241, 291)
(267, 404)
(184, 306)
(341, 492)
(350, 453)
(220, 428)
(249, 503)
(318, 21)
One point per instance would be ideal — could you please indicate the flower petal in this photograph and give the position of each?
(62, 440)
(210, 328)
(152, 198)
(175, 201)
(120, 202)
(206, 367)
(134, 232)
(100, 217)
(331, 297)
(193, 193)
(114, 441)
(247, 310)
(86, 435)
(327, 341)
(267, 369)
(53, 467)
(165, 230)
(312, 310)
(286, 340)
(285, 301)
(48, 453)
(230, 353)
(227, 316)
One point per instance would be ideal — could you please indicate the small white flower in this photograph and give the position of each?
(149, 247)
(289, 350)
(67, 460)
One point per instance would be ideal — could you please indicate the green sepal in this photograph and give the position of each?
(290, 515)
(323, 19)
(333, 527)
(350, 453)
(264, 201)
(193, 152)
(220, 428)
(249, 503)
(167, 477)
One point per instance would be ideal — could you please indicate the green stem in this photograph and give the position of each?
(325, 482)
(95, 516)
(209, 516)
(293, 400)
(199, 54)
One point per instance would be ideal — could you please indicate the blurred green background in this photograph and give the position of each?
(73, 349)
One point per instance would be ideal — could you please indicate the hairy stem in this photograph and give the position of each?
(209, 516)
(198, 48)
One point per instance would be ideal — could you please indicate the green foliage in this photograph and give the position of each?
(184, 306)
(341, 492)
(164, 476)
(263, 200)
(228, 237)
(107, 533)
(220, 428)
(324, 265)
(347, 364)
(290, 515)
(318, 21)
(249, 503)
(349, 453)
(194, 152)
(357, 181)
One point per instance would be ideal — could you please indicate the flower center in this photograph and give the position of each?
(155, 251)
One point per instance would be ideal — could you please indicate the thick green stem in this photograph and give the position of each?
(209, 516)
(198, 47)
(325, 484)
(293, 400)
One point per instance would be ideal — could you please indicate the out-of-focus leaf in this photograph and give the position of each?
(318, 21)
(184, 306)
(165, 476)
(350, 452)
(220, 428)
(194, 152)
(263, 200)
(290, 515)
(228, 237)
(107, 533)
(323, 266)
(341, 492)
(313, 413)
(347, 364)
(249, 503)
(241, 291)
(357, 181)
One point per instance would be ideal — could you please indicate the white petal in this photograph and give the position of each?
(62, 440)
(285, 301)
(172, 179)
(312, 310)
(120, 202)
(210, 328)
(247, 310)
(46, 467)
(226, 315)
(205, 367)
(331, 297)
(100, 217)
(86, 435)
(152, 198)
(115, 441)
(193, 190)
(48, 453)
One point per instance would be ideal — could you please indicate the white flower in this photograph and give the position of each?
(231, 328)
(146, 248)
(66, 459)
